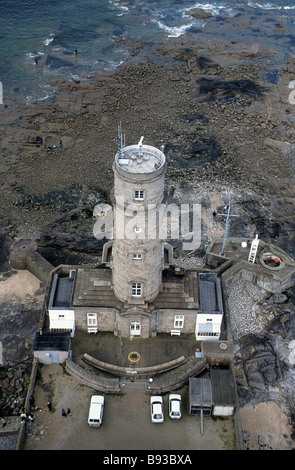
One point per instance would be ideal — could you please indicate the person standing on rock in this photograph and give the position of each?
(3, 421)
(32, 400)
(49, 406)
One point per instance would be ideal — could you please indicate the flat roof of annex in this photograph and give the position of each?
(140, 159)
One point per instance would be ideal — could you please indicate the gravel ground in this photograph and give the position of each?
(8, 442)
(246, 316)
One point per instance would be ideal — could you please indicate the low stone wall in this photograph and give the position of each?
(271, 279)
(176, 378)
(166, 381)
(24, 255)
(104, 384)
(139, 372)
(31, 387)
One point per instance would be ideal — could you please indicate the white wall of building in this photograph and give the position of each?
(208, 326)
(62, 320)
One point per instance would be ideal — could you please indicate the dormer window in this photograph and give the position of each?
(138, 195)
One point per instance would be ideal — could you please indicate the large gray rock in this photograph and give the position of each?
(284, 325)
(259, 361)
(18, 324)
(199, 13)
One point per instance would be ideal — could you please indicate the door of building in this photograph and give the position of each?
(135, 328)
(54, 357)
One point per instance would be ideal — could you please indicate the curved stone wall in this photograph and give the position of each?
(104, 384)
(138, 371)
(165, 381)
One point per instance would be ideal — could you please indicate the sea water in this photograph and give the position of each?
(74, 37)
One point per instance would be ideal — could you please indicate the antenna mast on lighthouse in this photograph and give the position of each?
(121, 143)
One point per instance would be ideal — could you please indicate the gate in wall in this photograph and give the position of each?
(129, 386)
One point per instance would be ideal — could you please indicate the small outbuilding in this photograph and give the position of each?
(200, 396)
(223, 392)
(61, 315)
(209, 320)
(52, 347)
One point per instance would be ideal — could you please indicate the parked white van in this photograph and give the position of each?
(96, 411)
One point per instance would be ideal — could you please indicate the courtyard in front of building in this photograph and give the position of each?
(126, 423)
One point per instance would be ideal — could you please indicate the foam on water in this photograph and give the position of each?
(37, 29)
(215, 8)
(48, 40)
(270, 6)
(175, 31)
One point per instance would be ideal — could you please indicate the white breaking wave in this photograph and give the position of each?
(123, 8)
(269, 6)
(114, 64)
(32, 55)
(47, 41)
(175, 31)
(213, 8)
(47, 92)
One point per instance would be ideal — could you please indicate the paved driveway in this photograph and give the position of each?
(126, 426)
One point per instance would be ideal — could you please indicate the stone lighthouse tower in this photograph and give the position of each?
(138, 249)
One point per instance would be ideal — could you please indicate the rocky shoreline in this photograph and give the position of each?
(227, 134)
(223, 130)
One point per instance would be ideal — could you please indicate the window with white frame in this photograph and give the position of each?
(92, 322)
(137, 256)
(138, 194)
(178, 321)
(135, 328)
(136, 289)
(91, 319)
